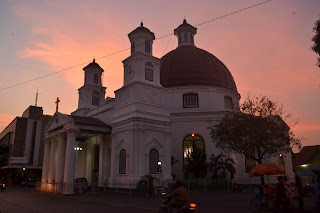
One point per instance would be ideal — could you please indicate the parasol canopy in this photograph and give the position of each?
(266, 169)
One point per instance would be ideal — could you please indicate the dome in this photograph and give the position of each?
(189, 65)
(93, 65)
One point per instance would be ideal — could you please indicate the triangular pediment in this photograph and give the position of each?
(59, 120)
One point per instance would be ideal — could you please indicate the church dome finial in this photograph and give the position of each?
(141, 25)
(94, 60)
(184, 21)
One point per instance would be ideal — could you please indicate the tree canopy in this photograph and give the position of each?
(316, 40)
(257, 131)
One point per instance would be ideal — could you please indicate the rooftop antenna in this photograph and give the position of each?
(36, 98)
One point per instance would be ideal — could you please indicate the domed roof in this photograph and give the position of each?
(142, 29)
(93, 65)
(189, 65)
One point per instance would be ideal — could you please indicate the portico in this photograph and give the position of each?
(74, 147)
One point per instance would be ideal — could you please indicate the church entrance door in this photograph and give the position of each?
(95, 165)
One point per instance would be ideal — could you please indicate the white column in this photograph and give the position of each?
(60, 163)
(69, 165)
(51, 173)
(101, 163)
(45, 165)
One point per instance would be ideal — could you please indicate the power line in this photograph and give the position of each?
(114, 53)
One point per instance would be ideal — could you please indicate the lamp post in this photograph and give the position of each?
(159, 171)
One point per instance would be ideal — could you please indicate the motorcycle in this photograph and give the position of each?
(188, 208)
(3, 187)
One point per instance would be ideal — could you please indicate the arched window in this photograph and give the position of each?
(132, 47)
(190, 142)
(190, 100)
(185, 36)
(228, 102)
(122, 162)
(148, 71)
(96, 78)
(179, 39)
(147, 46)
(153, 161)
(95, 98)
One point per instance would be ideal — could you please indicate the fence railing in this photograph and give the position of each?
(147, 188)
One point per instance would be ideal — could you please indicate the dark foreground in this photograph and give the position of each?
(27, 200)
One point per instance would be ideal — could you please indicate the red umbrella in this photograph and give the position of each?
(266, 169)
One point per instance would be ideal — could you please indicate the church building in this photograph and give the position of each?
(164, 106)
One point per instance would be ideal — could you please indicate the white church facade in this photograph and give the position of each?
(163, 106)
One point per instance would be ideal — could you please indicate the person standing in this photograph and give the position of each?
(300, 192)
(281, 198)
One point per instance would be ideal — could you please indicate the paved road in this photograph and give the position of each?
(27, 200)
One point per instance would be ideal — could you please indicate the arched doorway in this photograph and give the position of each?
(95, 165)
(190, 143)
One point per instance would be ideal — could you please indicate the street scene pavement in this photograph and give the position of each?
(27, 200)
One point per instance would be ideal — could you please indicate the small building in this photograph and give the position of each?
(24, 137)
(307, 160)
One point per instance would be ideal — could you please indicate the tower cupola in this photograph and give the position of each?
(141, 40)
(185, 33)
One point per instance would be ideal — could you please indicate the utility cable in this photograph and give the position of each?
(114, 53)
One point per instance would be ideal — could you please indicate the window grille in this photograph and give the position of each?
(190, 100)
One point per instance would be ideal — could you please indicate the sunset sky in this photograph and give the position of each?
(266, 48)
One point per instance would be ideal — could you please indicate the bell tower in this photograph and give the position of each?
(185, 33)
(141, 65)
(92, 93)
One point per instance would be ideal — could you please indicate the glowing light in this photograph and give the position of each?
(159, 163)
(24, 169)
(304, 165)
(280, 155)
(193, 205)
(192, 135)
(80, 148)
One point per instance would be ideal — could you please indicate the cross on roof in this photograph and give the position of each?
(57, 104)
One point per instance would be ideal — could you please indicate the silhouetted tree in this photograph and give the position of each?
(256, 131)
(316, 40)
(173, 161)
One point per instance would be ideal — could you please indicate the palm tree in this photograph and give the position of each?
(215, 164)
(227, 166)
(173, 161)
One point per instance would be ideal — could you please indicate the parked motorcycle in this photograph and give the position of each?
(188, 208)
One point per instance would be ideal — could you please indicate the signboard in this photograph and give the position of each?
(18, 160)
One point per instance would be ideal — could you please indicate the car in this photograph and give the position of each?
(80, 185)
(30, 182)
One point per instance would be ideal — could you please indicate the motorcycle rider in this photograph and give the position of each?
(178, 198)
